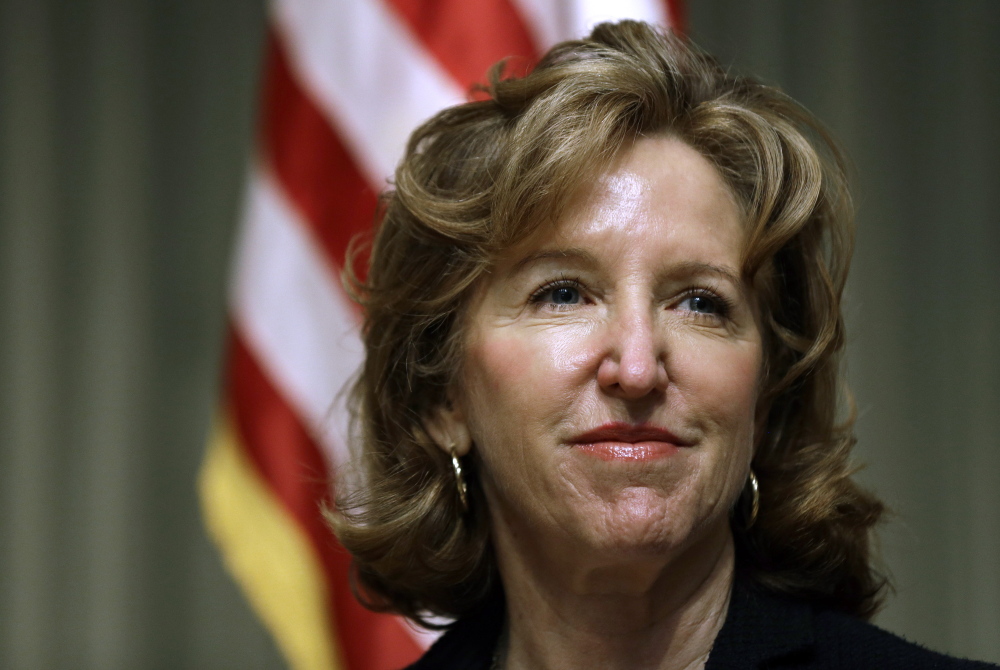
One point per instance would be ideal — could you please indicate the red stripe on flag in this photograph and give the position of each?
(468, 37)
(310, 162)
(291, 463)
(677, 14)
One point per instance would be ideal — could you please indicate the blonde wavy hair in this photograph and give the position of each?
(479, 177)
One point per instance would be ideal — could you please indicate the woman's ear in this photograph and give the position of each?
(447, 427)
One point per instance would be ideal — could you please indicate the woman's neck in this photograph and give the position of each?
(656, 614)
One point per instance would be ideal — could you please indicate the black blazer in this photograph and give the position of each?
(762, 632)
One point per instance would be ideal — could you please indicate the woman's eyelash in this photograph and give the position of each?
(723, 305)
(563, 282)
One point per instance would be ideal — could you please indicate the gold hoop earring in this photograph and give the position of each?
(754, 500)
(463, 490)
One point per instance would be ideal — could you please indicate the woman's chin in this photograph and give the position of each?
(644, 523)
(635, 547)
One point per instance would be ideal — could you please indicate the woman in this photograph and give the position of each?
(599, 404)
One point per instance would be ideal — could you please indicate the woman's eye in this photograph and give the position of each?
(702, 304)
(559, 295)
(565, 295)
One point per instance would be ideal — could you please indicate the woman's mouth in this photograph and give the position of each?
(627, 442)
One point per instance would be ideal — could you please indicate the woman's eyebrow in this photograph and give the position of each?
(573, 255)
(700, 268)
(583, 257)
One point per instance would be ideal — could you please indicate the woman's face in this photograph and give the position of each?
(612, 366)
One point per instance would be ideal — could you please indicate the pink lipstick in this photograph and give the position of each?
(627, 442)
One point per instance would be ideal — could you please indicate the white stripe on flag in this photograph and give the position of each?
(298, 322)
(552, 21)
(372, 81)
(296, 318)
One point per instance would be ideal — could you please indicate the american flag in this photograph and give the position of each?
(345, 83)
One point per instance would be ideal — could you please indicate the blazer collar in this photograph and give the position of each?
(761, 626)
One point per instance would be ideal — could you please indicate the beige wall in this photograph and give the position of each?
(124, 129)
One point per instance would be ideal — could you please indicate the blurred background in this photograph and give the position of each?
(125, 131)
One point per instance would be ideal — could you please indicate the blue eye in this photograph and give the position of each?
(565, 295)
(702, 304)
(558, 293)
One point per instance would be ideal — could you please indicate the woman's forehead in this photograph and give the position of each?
(659, 190)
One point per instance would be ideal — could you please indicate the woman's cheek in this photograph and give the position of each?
(743, 380)
(528, 362)
(571, 352)
(725, 370)
(500, 362)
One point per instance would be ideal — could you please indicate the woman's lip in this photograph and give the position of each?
(625, 433)
(647, 450)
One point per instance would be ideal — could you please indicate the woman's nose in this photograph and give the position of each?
(634, 363)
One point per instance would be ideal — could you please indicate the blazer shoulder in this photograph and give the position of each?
(847, 642)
